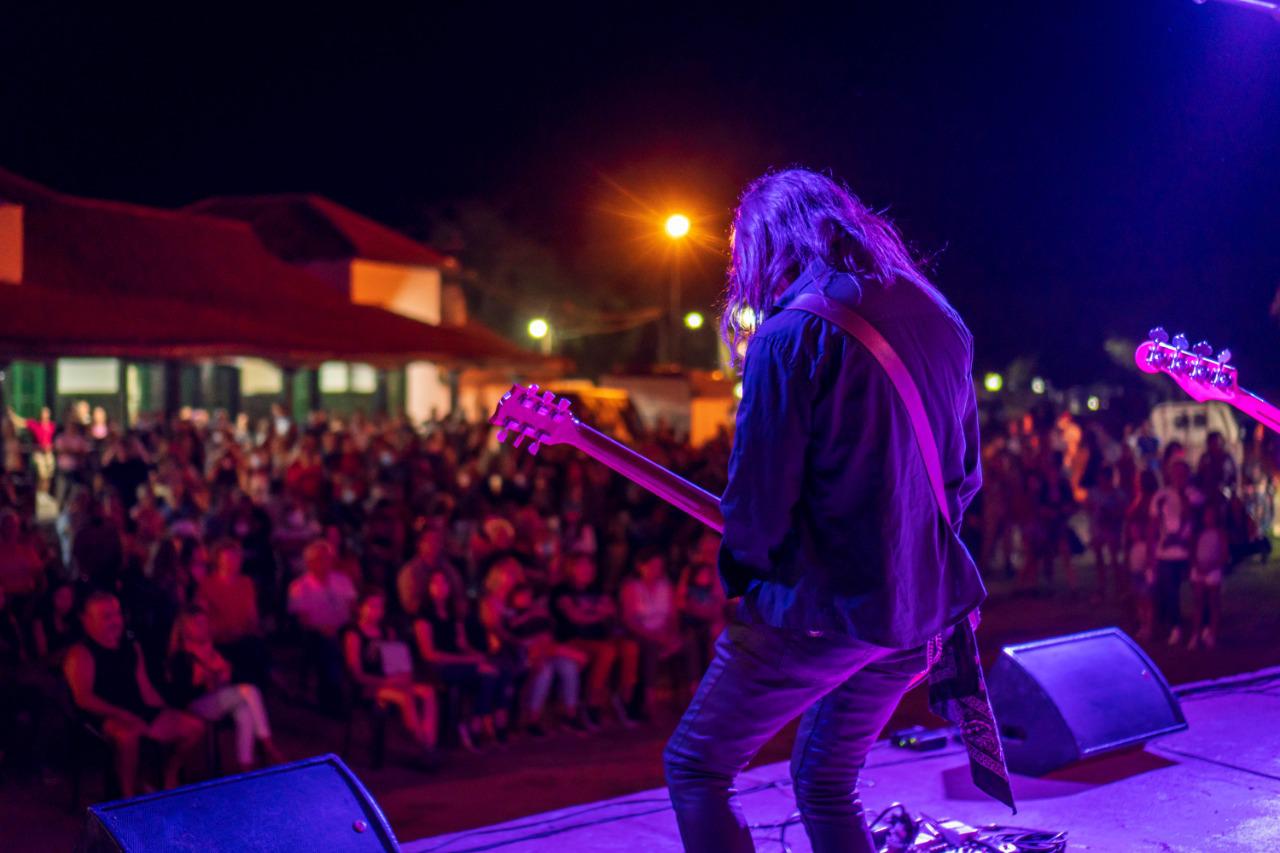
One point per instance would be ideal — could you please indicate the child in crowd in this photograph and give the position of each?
(1209, 561)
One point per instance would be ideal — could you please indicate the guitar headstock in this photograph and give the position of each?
(531, 414)
(1202, 377)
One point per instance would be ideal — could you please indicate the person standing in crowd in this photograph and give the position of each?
(322, 600)
(1173, 510)
(1139, 549)
(1217, 475)
(380, 663)
(200, 681)
(1107, 506)
(1057, 504)
(42, 431)
(109, 683)
(1209, 560)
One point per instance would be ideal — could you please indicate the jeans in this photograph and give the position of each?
(1168, 593)
(760, 679)
(566, 669)
(244, 703)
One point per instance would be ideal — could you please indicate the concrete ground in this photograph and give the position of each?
(1215, 786)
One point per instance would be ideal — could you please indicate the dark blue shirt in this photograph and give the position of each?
(830, 522)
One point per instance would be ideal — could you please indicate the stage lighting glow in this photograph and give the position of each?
(1037, 385)
(737, 390)
(677, 225)
(993, 382)
(694, 319)
(538, 328)
(746, 319)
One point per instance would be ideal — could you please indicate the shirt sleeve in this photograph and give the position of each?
(766, 467)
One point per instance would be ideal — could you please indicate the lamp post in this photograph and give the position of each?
(677, 228)
(540, 331)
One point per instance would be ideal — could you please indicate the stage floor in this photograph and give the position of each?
(1213, 787)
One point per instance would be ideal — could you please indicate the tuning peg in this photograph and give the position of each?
(1180, 341)
(1158, 335)
(1202, 349)
(563, 405)
(534, 390)
(502, 436)
(1224, 356)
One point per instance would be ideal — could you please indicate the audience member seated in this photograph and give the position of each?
(200, 681)
(231, 602)
(587, 621)
(439, 635)
(56, 627)
(321, 601)
(20, 565)
(429, 559)
(527, 619)
(652, 629)
(381, 665)
(109, 684)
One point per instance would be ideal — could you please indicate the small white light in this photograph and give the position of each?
(538, 328)
(737, 390)
(1093, 404)
(1037, 385)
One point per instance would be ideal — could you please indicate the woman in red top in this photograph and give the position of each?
(42, 430)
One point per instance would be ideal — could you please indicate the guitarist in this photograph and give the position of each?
(833, 535)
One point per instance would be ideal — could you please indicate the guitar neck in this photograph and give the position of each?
(648, 474)
(1257, 408)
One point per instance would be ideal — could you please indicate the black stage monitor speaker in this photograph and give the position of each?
(317, 804)
(1071, 697)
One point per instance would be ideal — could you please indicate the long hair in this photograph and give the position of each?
(787, 220)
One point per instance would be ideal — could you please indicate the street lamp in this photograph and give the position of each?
(694, 319)
(993, 382)
(540, 331)
(677, 228)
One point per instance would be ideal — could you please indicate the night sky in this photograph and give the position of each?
(1075, 170)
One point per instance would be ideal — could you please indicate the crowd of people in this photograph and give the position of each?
(1056, 493)
(190, 571)
(160, 580)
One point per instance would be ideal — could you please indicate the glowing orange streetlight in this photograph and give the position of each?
(677, 226)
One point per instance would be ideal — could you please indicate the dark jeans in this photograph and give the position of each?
(1168, 591)
(322, 656)
(760, 679)
(483, 688)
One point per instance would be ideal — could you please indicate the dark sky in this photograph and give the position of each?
(1078, 169)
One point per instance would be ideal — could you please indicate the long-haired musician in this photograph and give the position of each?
(833, 536)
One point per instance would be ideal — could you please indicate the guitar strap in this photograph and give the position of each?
(957, 689)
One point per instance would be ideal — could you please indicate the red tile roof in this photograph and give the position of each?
(127, 261)
(298, 227)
